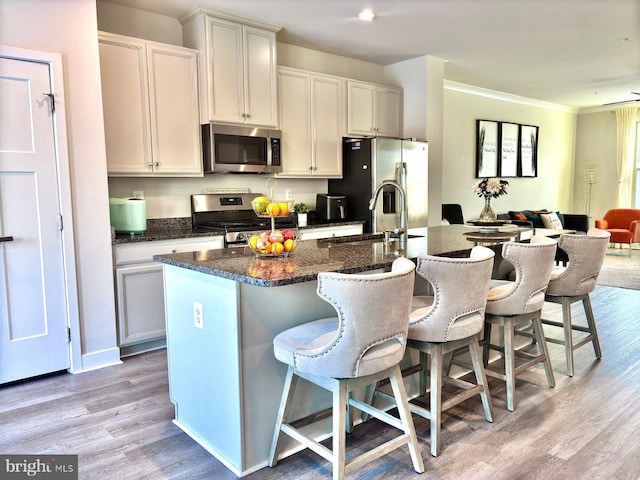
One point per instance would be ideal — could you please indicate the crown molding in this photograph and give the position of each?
(506, 97)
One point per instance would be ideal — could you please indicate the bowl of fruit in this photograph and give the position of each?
(265, 207)
(273, 243)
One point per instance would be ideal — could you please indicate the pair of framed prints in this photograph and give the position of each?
(505, 149)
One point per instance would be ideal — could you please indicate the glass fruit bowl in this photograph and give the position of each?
(273, 243)
(265, 207)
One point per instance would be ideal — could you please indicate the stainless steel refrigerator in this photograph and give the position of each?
(369, 161)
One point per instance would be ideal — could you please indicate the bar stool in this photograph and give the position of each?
(573, 283)
(513, 304)
(362, 345)
(449, 321)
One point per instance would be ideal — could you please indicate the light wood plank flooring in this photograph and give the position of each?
(118, 420)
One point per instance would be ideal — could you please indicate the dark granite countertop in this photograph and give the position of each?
(172, 229)
(344, 254)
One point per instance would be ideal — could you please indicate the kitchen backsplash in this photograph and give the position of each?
(170, 197)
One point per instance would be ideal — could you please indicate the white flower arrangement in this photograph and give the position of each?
(490, 187)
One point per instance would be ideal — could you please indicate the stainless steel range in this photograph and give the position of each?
(232, 215)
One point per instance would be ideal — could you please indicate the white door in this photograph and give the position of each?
(33, 314)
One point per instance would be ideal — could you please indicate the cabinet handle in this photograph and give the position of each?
(173, 250)
(157, 164)
(6, 239)
(247, 115)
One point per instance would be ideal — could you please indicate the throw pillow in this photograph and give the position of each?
(551, 220)
(536, 220)
(518, 216)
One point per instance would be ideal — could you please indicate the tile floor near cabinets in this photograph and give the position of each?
(118, 420)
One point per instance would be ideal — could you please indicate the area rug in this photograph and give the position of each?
(618, 270)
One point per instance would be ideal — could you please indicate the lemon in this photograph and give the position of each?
(273, 209)
(253, 242)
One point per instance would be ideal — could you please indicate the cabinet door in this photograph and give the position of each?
(225, 92)
(140, 298)
(295, 116)
(175, 121)
(361, 107)
(389, 111)
(326, 101)
(125, 105)
(260, 77)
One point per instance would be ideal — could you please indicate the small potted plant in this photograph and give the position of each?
(301, 209)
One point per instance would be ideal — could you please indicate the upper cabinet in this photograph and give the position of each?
(150, 105)
(311, 113)
(238, 68)
(374, 110)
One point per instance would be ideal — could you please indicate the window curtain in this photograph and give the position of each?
(625, 121)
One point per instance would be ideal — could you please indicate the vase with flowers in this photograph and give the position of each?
(489, 188)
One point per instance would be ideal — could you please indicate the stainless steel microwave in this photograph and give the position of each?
(240, 149)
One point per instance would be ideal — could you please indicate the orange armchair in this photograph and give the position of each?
(623, 224)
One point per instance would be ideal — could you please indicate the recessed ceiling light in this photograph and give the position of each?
(366, 15)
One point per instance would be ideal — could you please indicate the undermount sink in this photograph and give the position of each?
(365, 237)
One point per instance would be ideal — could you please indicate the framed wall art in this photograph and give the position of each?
(509, 134)
(486, 148)
(528, 151)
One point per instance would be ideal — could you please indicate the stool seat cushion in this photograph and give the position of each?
(297, 345)
(463, 326)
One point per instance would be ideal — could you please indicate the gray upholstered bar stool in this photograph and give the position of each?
(572, 284)
(363, 344)
(518, 303)
(450, 320)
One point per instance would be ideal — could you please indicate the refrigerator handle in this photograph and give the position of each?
(401, 175)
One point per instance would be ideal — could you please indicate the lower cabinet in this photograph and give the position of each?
(140, 290)
(328, 232)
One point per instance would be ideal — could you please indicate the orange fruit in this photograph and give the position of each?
(277, 248)
(284, 208)
(273, 209)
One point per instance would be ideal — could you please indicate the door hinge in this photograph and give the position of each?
(68, 334)
(52, 100)
(60, 226)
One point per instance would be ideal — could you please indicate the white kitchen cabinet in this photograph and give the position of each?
(237, 68)
(373, 110)
(310, 117)
(140, 291)
(150, 105)
(330, 231)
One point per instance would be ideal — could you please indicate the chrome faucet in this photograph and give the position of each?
(400, 232)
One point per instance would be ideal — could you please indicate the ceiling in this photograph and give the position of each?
(578, 53)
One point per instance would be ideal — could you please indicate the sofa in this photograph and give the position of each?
(547, 219)
(623, 224)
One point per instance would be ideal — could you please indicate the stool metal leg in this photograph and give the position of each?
(568, 334)
(287, 396)
(591, 321)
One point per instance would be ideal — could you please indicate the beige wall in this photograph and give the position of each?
(553, 187)
(69, 28)
(596, 145)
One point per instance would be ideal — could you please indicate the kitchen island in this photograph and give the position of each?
(223, 377)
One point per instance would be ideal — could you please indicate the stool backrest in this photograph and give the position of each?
(460, 288)
(373, 314)
(533, 263)
(586, 255)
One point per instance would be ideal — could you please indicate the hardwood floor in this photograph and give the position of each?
(118, 420)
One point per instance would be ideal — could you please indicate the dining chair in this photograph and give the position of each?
(572, 284)
(452, 213)
(363, 344)
(518, 303)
